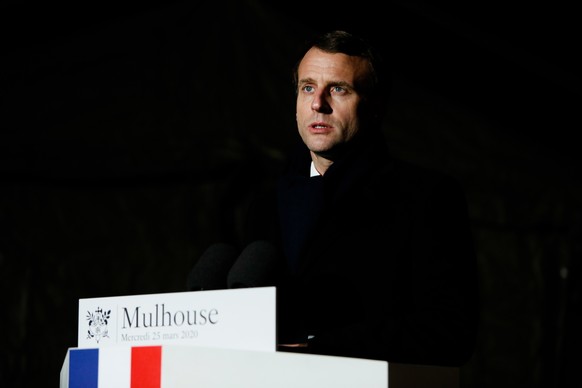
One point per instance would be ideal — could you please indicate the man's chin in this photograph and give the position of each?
(329, 153)
(318, 147)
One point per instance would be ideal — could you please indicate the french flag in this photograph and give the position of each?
(131, 367)
(179, 366)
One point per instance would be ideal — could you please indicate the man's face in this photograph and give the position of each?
(329, 99)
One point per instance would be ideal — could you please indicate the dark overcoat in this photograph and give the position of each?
(377, 258)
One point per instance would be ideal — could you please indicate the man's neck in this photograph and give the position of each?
(320, 163)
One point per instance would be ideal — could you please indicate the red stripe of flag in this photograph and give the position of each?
(146, 366)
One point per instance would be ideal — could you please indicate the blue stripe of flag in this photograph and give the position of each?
(83, 368)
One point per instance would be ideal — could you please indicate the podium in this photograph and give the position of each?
(186, 367)
(213, 339)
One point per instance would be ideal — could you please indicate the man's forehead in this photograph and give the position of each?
(318, 65)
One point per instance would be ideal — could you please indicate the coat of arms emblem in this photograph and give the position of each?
(98, 324)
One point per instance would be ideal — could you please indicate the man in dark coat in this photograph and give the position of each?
(377, 259)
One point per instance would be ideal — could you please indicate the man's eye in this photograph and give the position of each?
(308, 88)
(337, 89)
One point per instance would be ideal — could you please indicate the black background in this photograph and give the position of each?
(130, 136)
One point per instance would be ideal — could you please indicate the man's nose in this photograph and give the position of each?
(320, 103)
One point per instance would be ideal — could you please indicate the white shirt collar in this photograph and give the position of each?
(313, 171)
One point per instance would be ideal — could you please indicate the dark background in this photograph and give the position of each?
(131, 135)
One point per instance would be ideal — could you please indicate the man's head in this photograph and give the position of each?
(340, 92)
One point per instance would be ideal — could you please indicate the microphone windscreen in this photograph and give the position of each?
(211, 269)
(255, 267)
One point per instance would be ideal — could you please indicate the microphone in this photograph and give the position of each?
(255, 267)
(211, 269)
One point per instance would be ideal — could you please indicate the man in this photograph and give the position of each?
(378, 256)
